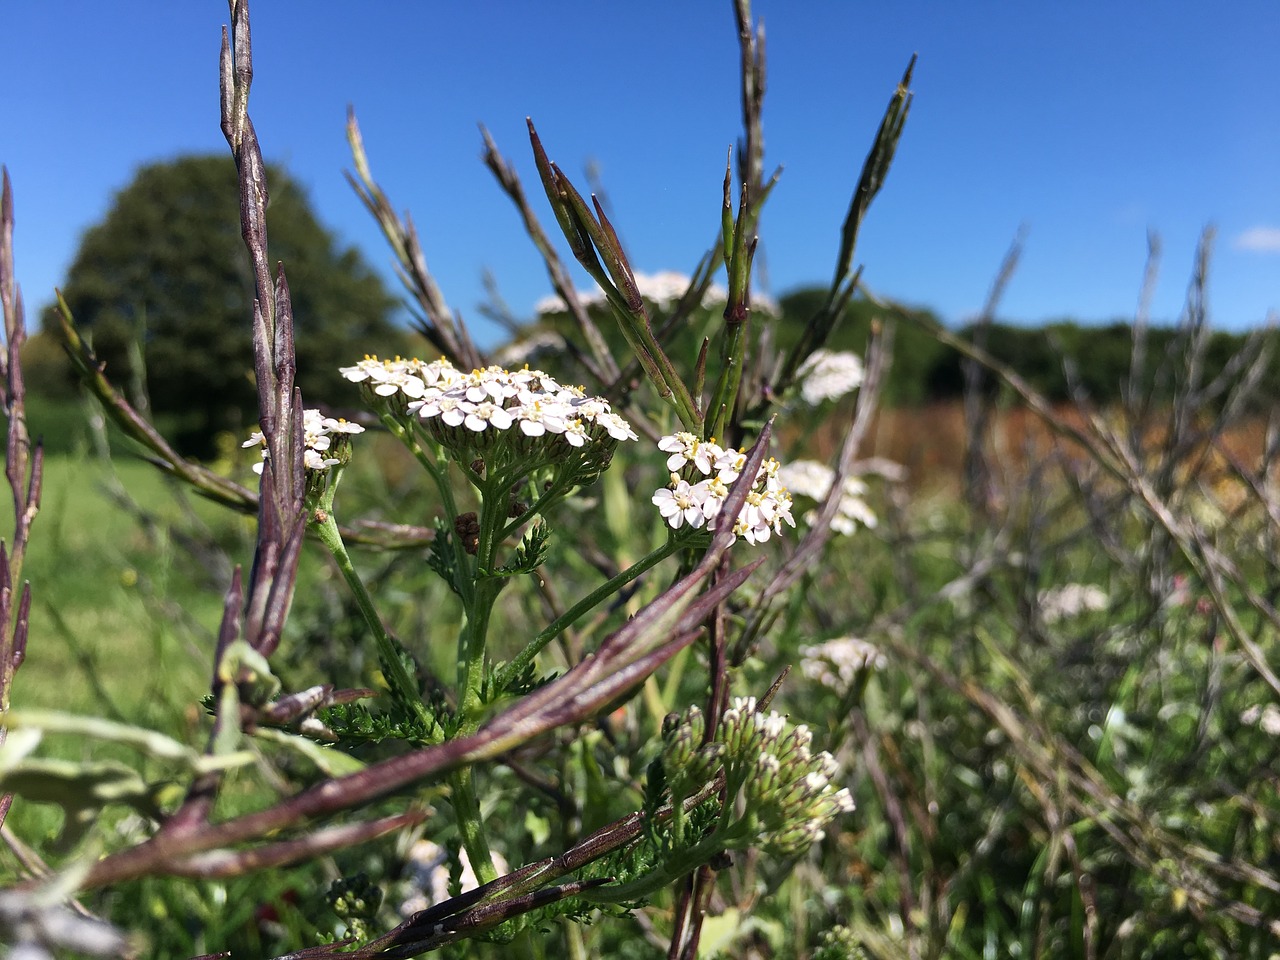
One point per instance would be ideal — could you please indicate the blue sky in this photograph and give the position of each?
(1088, 122)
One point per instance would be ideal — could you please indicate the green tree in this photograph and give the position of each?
(167, 269)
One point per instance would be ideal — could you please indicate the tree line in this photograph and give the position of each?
(1098, 356)
(162, 287)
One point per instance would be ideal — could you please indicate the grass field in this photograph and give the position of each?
(119, 608)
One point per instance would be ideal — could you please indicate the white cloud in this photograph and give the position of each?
(1259, 240)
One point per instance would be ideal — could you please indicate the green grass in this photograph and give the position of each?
(117, 608)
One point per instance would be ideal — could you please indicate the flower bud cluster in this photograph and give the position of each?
(712, 469)
(812, 480)
(689, 763)
(787, 788)
(325, 441)
(782, 789)
(505, 417)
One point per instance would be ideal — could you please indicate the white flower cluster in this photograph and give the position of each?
(663, 288)
(808, 478)
(1266, 719)
(783, 789)
(838, 662)
(472, 412)
(713, 469)
(1071, 600)
(319, 435)
(828, 374)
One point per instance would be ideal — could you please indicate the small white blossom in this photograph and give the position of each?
(1071, 600)
(616, 426)
(486, 414)
(686, 448)
(313, 460)
(338, 425)
(828, 374)
(812, 480)
(318, 437)
(681, 504)
(538, 417)
(728, 465)
(451, 411)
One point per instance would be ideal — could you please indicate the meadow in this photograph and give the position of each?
(1054, 748)
(713, 656)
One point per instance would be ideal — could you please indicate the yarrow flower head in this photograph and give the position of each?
(325, 441)
(812, 480)
(388, 378)
(701, 473)
(829, 374)
(506, 419)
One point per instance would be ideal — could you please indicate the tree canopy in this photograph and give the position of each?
(167, 269)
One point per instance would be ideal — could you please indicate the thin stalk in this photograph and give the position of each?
(722, 402)
(466, 807)
(397, 676)
(464, 581)
(539, 506)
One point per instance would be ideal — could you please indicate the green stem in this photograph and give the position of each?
(494, 497)
(574, 613)
(466, 807)
(471, 655)
(723, 400)
(477, 602)
(464, 580)
(406, 689)
(481, 594)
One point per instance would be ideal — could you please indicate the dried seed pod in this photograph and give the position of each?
(467, 527)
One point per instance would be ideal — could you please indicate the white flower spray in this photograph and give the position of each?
(701, 474)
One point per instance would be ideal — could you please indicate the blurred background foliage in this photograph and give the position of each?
(162, 285)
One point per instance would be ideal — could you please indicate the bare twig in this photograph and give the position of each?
(24, 469)
(600, 364)
(437, 322)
